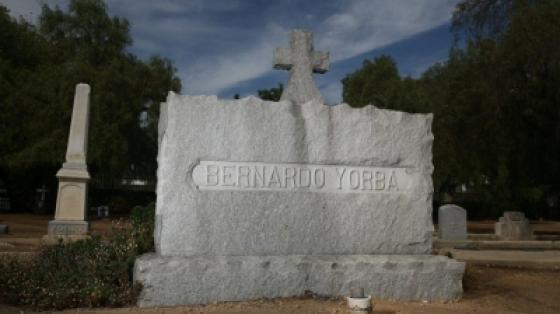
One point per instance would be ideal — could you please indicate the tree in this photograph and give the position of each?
(495, 103)
(519, 59)
(83, 44)
(272, 94)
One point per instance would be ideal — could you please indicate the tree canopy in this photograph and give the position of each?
(496, 103)
(39, 68)
(272, 94)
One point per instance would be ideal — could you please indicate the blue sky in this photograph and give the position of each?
(225, 46)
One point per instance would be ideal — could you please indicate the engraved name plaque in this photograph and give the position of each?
(259, 176)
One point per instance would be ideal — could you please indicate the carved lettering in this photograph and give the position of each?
(319, 178)
(393, 182)
(228, 175)
(307, 176)
(274, 178)
(367, 178)
(340, 174)
(243, 174)
(223, 175)
(289, 174)
(212, 172)
(354, 178)
(379, 180)
(259, 176)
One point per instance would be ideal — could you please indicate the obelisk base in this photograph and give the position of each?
(67, 231)
(70, 217)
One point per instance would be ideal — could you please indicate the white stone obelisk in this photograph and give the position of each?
(71, 202)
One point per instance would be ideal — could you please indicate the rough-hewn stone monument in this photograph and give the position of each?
(70, 216)
(272, 199)
(514, 226)
(452, 222)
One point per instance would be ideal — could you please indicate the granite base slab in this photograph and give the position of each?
(175, 280)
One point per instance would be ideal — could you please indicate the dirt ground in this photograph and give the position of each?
(487, 289)
(26, 230)
(487, 226)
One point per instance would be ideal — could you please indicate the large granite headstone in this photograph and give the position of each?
(260, 199)
(513, 226)
(452, 222)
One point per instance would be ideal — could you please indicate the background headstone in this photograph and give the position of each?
(3, 229)
(4, 199)
(514, 226)
(452, 222)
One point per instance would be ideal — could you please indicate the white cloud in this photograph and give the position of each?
(214, 74)
(367, 25)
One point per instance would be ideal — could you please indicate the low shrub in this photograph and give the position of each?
(87, 273)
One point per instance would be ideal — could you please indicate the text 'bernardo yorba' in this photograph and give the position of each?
(224, 175)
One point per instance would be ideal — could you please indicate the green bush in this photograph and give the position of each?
(88, 273)
(142, 219)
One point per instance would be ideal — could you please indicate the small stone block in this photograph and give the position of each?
(3, 229)
(68, 227)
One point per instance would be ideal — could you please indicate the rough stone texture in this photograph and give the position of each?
(200, 280)
(192, 222)
(513, 226)
(452, 222)
(71, 200)
(215, 244)
(301, 61)
(3, 229)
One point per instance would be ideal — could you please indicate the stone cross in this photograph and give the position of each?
(43, 190)
(301, 61)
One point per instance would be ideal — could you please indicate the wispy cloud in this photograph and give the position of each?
(362, 26)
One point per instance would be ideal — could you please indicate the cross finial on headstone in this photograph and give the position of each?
(43, 190)
(301, 61)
